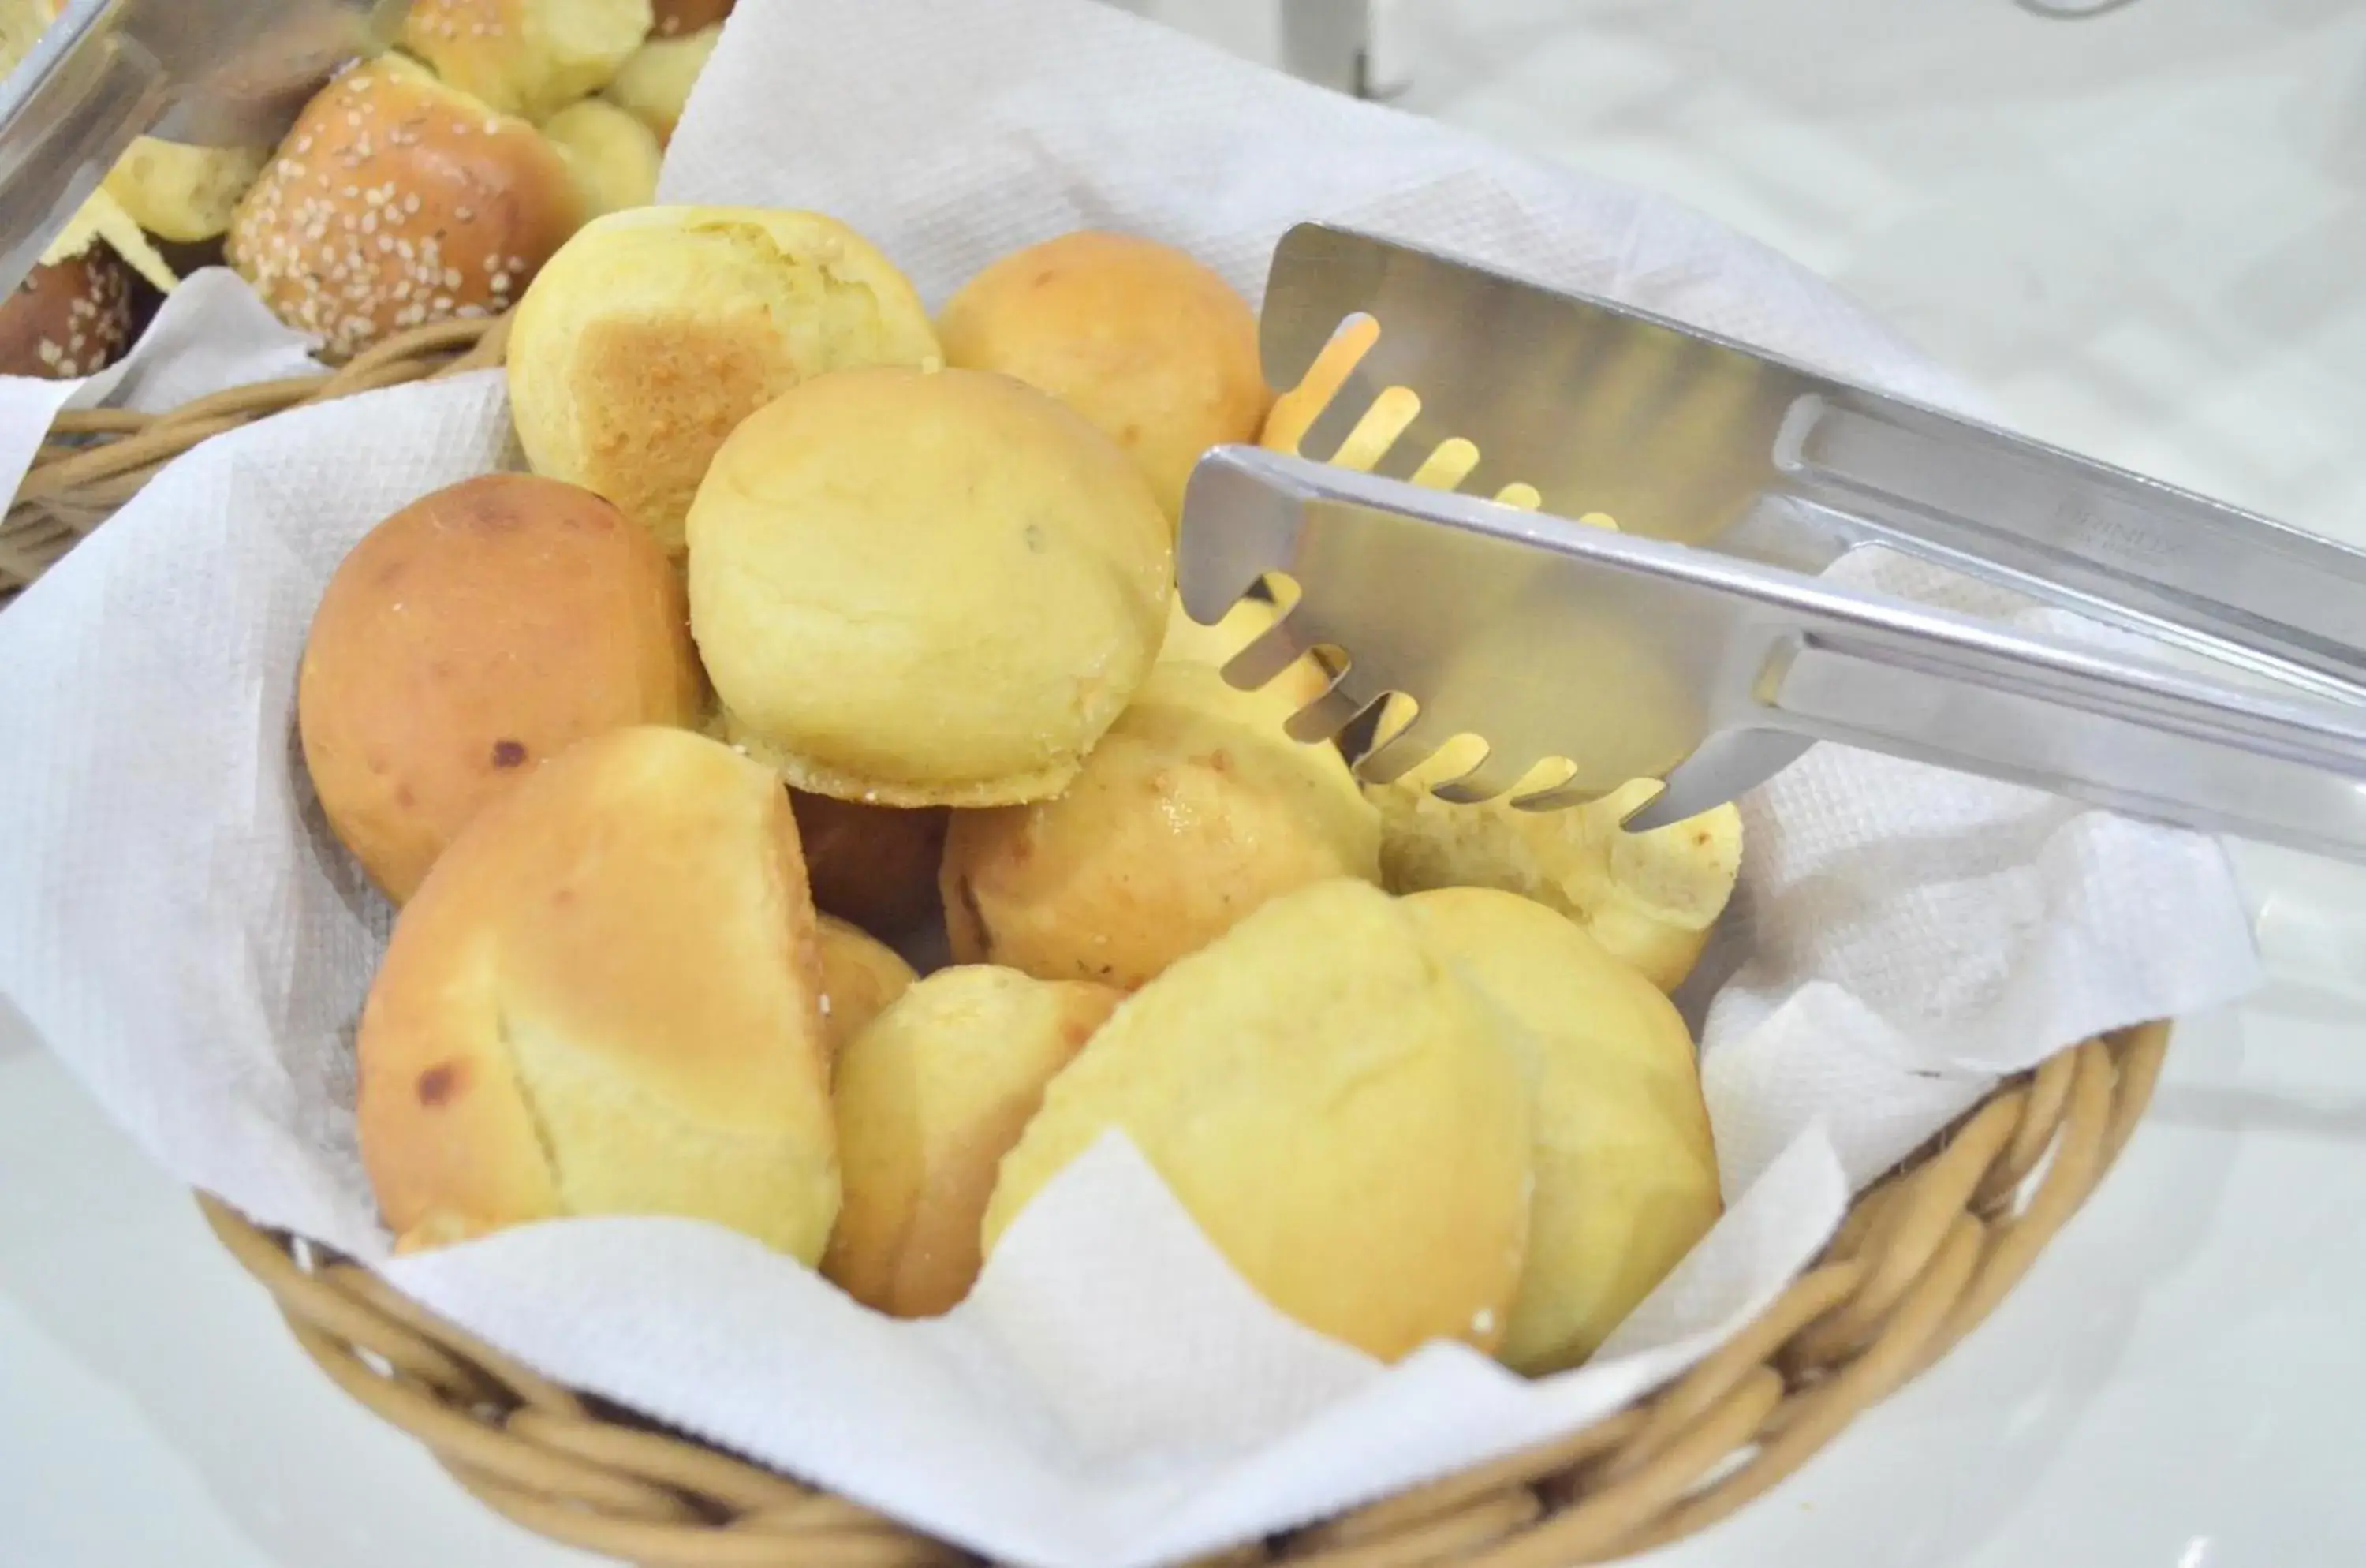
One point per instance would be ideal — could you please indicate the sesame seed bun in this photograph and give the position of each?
(397, 202)
(526, 57)
(69, 319)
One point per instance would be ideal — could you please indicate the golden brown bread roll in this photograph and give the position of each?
(467, 639)
(859, 976)
(1626, 1174)
(68, 318)
(1651, 898)
(606, 999)
(1150, 346)
(924, 589)
(874, 865)
(930, 1098)
(675, 18)
(1187, 815)
(655, 331)
(654, 85)
(1340, 1112)
(397, 202)
(526, 57)
(613, 156)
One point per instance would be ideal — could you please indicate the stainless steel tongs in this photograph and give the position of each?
(226, 73)
(1694, 645)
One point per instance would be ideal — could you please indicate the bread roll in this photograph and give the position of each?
(657, 331)
(1649, 898)
(872, 865)
(181, 193)
(1337, 1109)
(467, 639)
(613, 157)
(925, 589)
(1150, 346)
(1187, 816)
(930, 1098)
(859, 976)
(606, 1000)
(397, 202)
(654, 85)
(68, 318)
(675, 18)
(526, 57)
(1626, 1174)
(1188, 642)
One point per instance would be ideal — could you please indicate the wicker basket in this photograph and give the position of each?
(1923, 1258)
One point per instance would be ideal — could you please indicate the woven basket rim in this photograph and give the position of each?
(1923, 1258)
(1924, 1255)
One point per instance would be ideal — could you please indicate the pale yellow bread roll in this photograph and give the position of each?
(655, 331)
(1626, 1174)
(929, 1099)
(527, 57)
(925, 589)
(859, 976)
(1145, 341)
(182, 193)
(613, 157)
(1651, 898)
(654, 85)
(1341, 1113)
(1188, 642)
(606, 999)
(1189, 815)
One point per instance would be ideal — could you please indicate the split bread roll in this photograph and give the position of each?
(1149, 344)
(930, 1098)
(1190, 814)
(1339, 1112)
(467, 638)
(398, 201)
(1651, 898)
(1626, 1178)
(859, 976)
(527, 57)
(654, 85)
(924, 588)
(606, 999)
(656, 332)
(68, 318)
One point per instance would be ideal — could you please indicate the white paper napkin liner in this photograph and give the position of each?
(1071, 1413)
(209, 335)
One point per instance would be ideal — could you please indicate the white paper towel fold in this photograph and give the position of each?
(176, 922)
